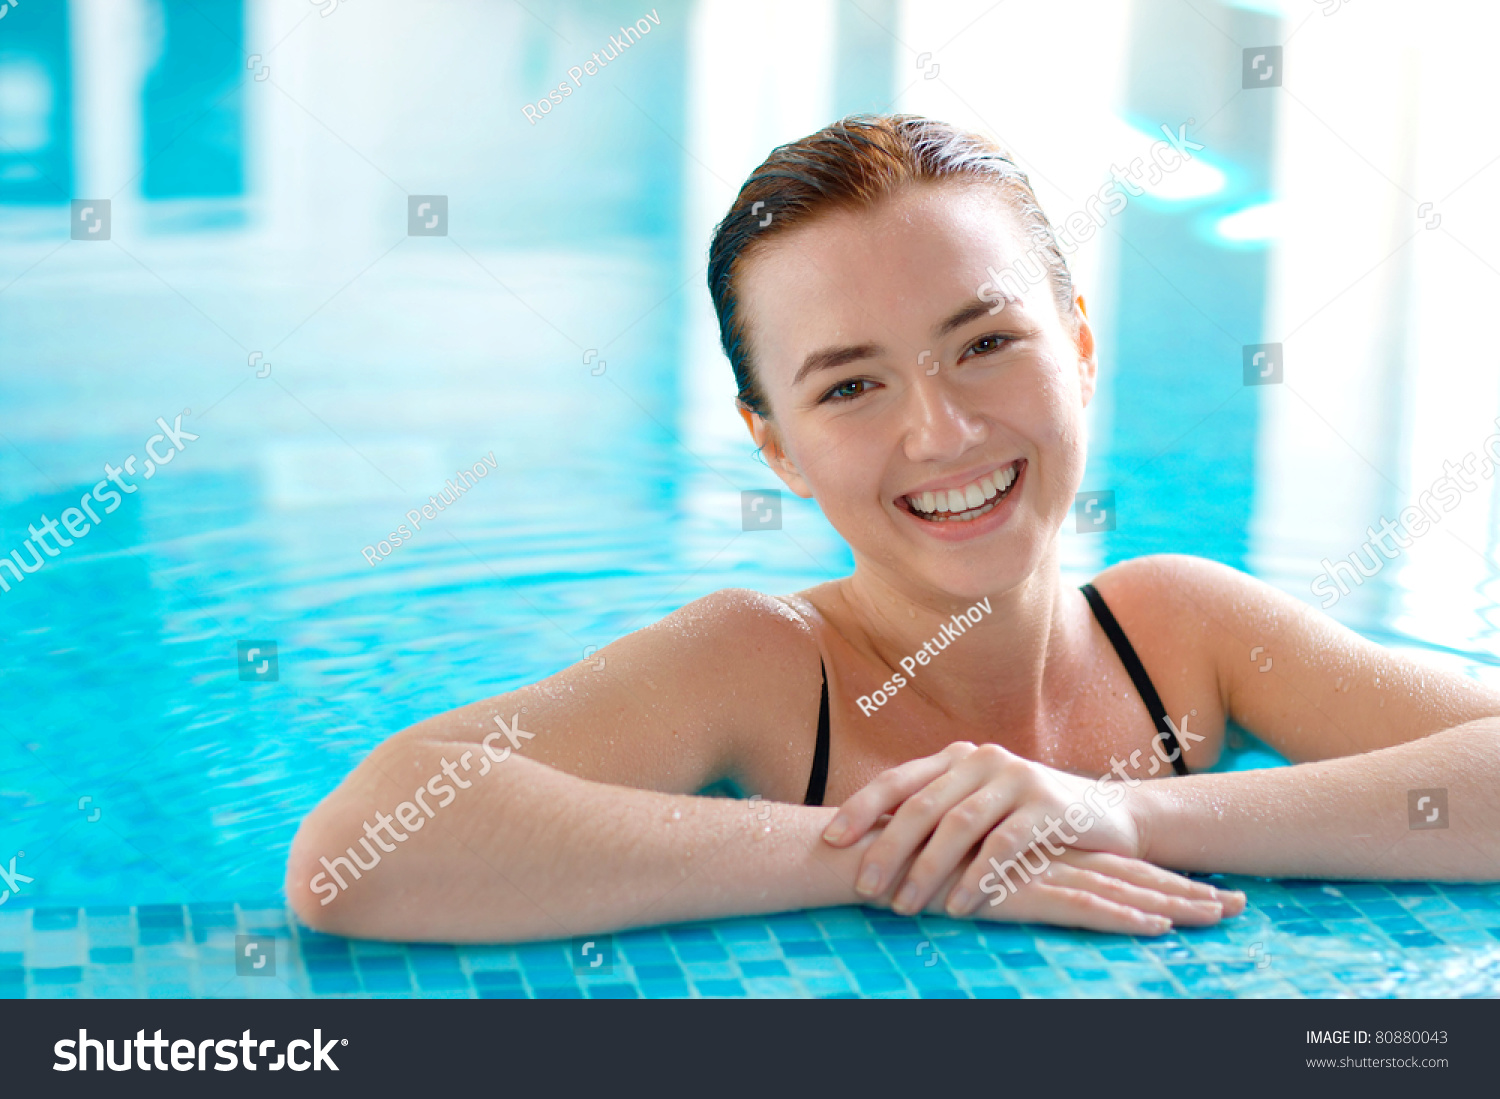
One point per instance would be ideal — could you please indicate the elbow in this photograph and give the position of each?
(315, 894)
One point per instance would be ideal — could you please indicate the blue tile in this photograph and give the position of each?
(1021, 959)
(559, 992)
(1410, 888)
(328, 963)
(996, 992)
(497, 978)
(111, 955)
(1303, 927)
(613, 990)
(385, 980)
(333, 984)
(727, 987)
(879, 982)
(1410, 939)
(1333, 911)
(664, 990)
(692, 933)
(658, 972)
(650, 954)
(807, 949)
(702, 952)
(763, 969)
(323, 946)
(54, 919)
(58, 975)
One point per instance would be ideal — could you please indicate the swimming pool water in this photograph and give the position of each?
(149, 791)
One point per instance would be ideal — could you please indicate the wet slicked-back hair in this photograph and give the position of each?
(853, 164)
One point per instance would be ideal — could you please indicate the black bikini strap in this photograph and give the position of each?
(1137, 671)
(818, 780)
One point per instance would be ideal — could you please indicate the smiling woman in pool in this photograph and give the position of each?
(941, 430)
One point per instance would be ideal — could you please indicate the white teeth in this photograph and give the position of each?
(967, 499)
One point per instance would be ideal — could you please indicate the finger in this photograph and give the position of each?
(956, 841)
(888, 790)
(1182, 911)
(912, 824)
(1163, 881)
(1005, 847)
(1066, 907)
(950, 845)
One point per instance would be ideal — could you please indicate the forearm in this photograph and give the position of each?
(530, 852)
(1338, 818)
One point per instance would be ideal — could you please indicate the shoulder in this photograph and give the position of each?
(745, 621)
(1169, 587)
(753, 653)
(1203, 611)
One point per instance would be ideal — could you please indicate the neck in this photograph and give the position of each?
(985, 673)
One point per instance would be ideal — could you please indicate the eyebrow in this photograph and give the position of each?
(830, 358)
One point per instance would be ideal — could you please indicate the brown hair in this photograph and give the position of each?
(853, 164)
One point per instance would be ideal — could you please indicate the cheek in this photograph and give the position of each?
(841, 464)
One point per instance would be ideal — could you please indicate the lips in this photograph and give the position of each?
(966, 502)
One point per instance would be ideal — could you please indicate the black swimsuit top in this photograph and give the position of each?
(818, 781)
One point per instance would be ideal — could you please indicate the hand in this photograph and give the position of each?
(1100, 892)
(967, 797)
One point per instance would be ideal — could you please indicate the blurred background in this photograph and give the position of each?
(210, 209)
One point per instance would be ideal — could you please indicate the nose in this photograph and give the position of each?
(940, 426)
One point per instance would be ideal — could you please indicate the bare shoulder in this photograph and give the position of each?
(1303, 682)
(1177, 591)
(673, 706)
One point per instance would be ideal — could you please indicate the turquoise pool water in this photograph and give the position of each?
(339, 370)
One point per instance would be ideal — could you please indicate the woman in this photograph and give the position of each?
(930, 732)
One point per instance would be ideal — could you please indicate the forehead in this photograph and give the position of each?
(877, 274)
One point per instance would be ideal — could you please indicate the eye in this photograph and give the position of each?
(847, 391)
(986, 345)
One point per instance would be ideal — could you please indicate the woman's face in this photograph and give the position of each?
(944, 442)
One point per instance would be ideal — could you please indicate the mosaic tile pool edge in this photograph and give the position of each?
(1295, 939)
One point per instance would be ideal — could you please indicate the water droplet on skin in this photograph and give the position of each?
(676, 814)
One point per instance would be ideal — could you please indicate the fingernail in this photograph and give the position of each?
(907, 898)
(1159, 925)
(869, 880)
(962, 901)
(836, 830)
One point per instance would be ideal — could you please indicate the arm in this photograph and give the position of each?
(1364, 726)
(531, 852)
(1349, 817)
(573, 811)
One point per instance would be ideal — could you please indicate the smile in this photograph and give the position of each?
(965, 503)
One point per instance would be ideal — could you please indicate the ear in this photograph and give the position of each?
(1088, 358)
(769, 444)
